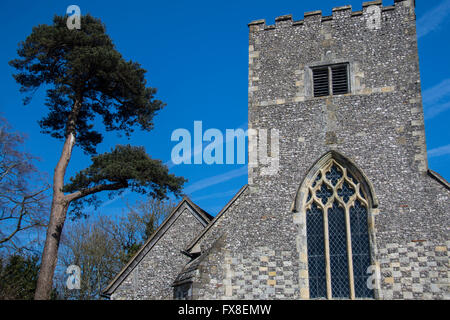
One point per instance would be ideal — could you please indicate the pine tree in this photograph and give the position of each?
(18, 277)
(87, 78)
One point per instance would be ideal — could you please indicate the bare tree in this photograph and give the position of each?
(141, 220)
(89, 245)
(23, 199)
(102, 246)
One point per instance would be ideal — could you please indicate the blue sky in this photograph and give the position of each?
(195, 53)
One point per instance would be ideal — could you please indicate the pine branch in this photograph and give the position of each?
(88, 191)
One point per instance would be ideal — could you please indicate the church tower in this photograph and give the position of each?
(341, 98)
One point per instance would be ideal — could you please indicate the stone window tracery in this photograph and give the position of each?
(338, 243)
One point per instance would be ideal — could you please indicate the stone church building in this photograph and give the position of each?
(353, 211)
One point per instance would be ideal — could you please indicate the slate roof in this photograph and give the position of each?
(188, 271)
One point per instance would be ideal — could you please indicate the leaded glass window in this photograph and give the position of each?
(360, 249)
(316, 252)
(338, 244)
(338, 251)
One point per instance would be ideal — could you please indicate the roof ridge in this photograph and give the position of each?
(439, 178)
(205, 230)
(208, 216)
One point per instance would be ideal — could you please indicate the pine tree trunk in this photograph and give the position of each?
(50, 253)
(60, 205)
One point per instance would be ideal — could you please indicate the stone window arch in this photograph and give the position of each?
(337, 203)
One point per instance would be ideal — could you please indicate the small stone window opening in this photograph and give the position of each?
(331, 80)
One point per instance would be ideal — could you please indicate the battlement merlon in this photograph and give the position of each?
(310, 17)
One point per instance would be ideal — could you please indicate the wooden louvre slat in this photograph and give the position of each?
(339, 76)
(321, 82)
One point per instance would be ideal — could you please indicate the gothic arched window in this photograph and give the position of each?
(338, 244)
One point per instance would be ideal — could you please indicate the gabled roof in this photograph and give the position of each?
(199, 213)
(208, 227)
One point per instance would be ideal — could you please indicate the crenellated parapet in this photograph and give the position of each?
(338, 13)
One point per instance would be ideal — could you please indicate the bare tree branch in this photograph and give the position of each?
(22, 202)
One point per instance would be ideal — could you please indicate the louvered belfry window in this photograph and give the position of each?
(337, 229)
(321, 79)
(330, 80)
